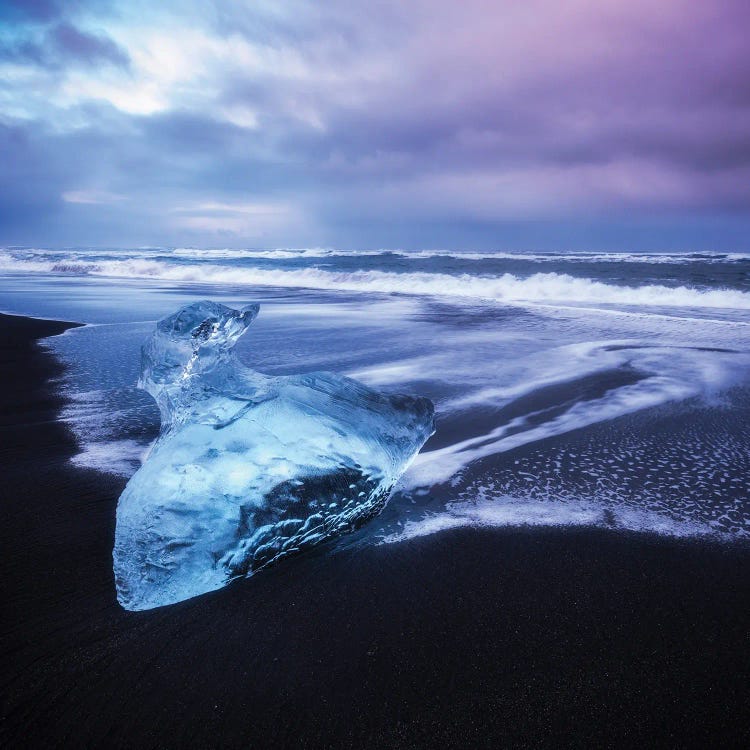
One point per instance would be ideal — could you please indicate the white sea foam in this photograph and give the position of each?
(96, 426)
(119, 457)
(327, 252)
(581, 257)
(516, 512)
(669, 374)
(276, 254)
(505, 288)
(535, 257)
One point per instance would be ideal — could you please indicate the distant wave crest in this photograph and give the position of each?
(534, 257)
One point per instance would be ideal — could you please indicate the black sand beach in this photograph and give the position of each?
(468, 638)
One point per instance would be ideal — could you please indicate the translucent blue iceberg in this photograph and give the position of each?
(248, 467)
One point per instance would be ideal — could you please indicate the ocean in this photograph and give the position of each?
(571, 389)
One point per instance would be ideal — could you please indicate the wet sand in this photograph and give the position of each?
(481, 638)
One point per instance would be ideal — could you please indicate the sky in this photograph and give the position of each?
(585, 124)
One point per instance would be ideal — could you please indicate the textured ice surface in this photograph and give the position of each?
(247, 467)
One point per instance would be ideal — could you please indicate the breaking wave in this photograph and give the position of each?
(549, 287)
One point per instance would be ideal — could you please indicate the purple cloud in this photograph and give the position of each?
(437, 119)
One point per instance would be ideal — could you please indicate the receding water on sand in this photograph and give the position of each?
(624, 404)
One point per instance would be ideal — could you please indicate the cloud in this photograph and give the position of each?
(92, 197)
(221, 219)
(351, 121)
(25, 10)
(61, 46)
(72, 43)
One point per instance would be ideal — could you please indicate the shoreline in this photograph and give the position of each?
(539, 636)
